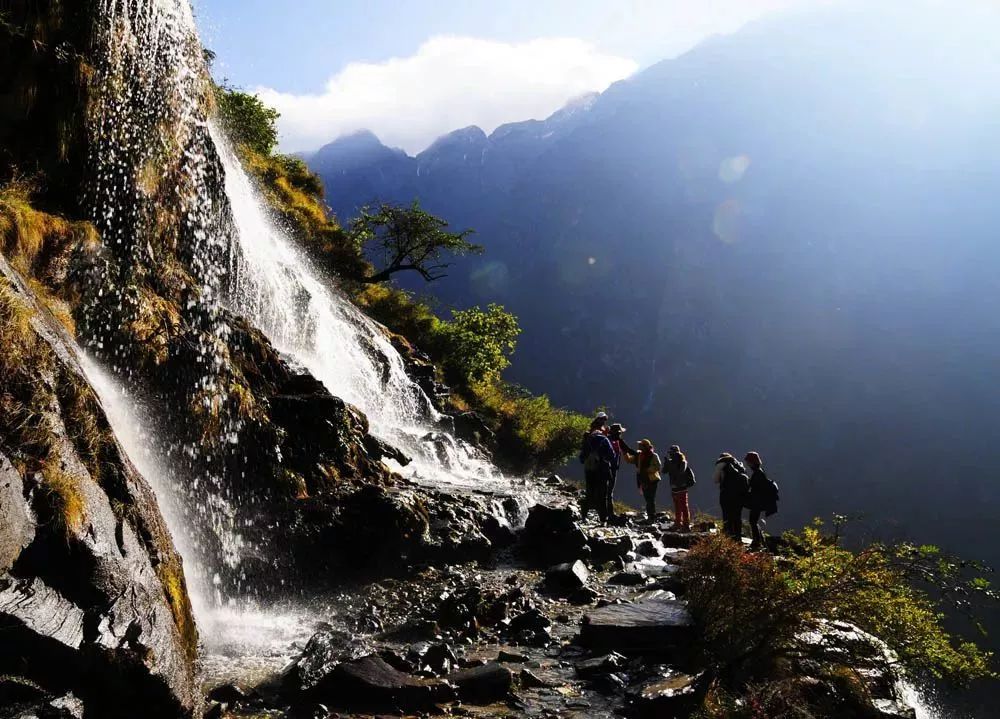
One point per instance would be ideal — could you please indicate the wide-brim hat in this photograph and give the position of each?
(616, 427)
(644, 443)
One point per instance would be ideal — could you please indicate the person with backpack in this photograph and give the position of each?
(647, 468)
(622, 451)
(597, 456)
(681, 480)
(733, 489)
(763, 498)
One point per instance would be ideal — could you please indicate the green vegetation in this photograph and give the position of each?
(477, 344)
(407, 239)
(470, 351)
(753, 610)
(247, 120)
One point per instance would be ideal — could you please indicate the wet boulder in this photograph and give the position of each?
(604, 664)
(649, 548)
(370, 683)
(673, 695)
(628, 578)
(567, 577)
(607, 549)
(483, 685)
(650, 625)
(472, 428)
(551, 535)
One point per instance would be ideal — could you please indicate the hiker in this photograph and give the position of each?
(681, 480)
(622, 451)
(647, 468)
(763, 498)
(733, 486)
(597, 456)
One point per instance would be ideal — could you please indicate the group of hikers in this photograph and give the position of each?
(603, 450)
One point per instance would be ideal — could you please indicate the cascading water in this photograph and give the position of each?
(164, 211)
(275, 287)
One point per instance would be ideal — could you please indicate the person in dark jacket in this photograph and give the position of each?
(681, 480)
(732, 480)
(622, 451)
(647, 471)
(763, 498)
(597, 456)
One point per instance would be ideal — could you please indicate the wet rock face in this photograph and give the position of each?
(92, 593)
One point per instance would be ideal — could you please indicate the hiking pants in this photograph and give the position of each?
(732, 519)
(590, 494)
(649, 493)
(682, 510)
(756, 527)
(609, 497)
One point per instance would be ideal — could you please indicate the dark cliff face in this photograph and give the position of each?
(777, 240)
(92, 592)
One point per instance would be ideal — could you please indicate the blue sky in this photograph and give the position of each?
(336, 66)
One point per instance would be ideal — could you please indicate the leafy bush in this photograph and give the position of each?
(751, 608)
(477, 344)
(248, 121)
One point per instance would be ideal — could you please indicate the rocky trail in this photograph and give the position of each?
(569, 620)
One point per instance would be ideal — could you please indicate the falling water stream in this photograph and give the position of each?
(150, 106)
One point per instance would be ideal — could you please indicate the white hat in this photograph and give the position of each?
(602, 415)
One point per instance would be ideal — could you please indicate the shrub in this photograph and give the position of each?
(477, 344)
(247, 121)
(751, 609)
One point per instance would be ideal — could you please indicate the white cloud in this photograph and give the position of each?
(450, 82)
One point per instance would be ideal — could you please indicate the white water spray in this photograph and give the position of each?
(276, 288)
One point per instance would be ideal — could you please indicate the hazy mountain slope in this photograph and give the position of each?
(783, 239)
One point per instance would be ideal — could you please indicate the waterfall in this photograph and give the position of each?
(275, 287)
(175, 208)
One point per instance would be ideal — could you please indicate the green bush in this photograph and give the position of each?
(476, 344)
(248, 121)
(751, 608)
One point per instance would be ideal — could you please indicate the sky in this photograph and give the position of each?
(412, 70)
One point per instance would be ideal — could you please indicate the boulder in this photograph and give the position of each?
(471, 427)
(551, 535)
(437, 658)
(651, 625)
(531, 620)
(607, 549)
(672, 695)
(604, 664)
(649, 548)
(483, 685)
(512, 657)
(629, 578)
(369, 683)
(584, 595)
(567, 577)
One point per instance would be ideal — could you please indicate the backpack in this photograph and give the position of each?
(689, 480)
(735, 482)
(772, 494)
(590, 456)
